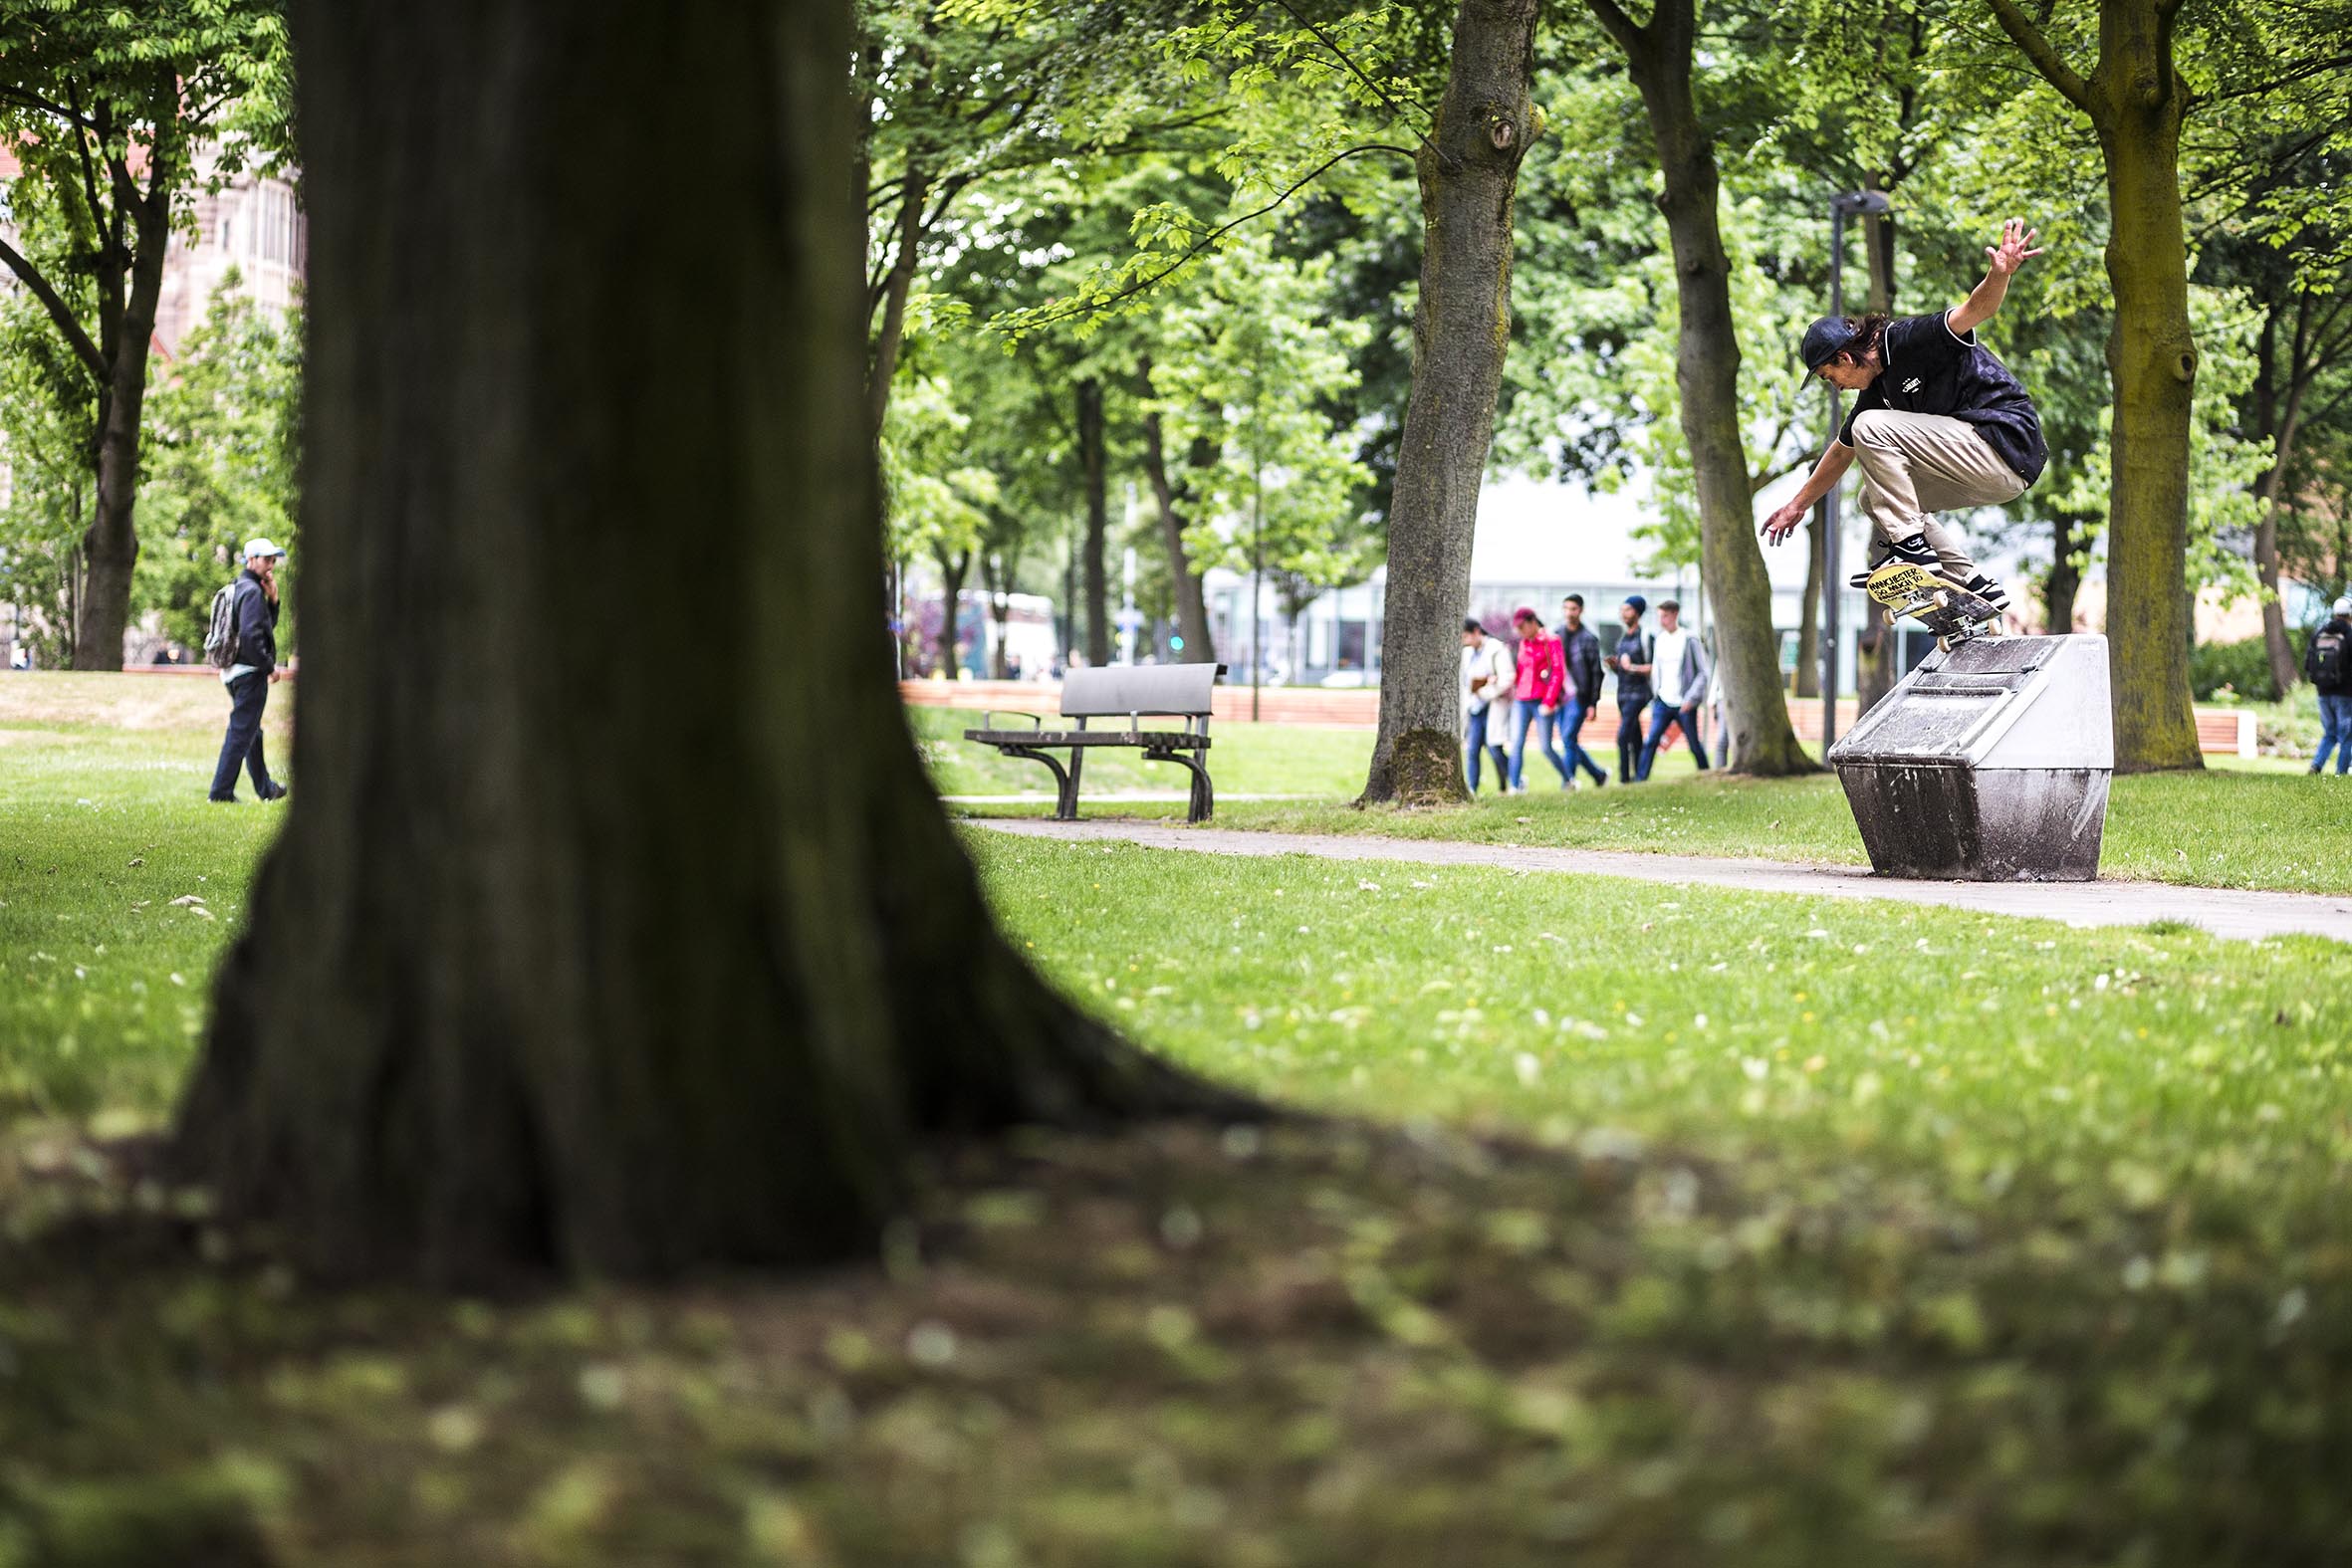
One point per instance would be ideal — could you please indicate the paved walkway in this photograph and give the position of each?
(2225, 912)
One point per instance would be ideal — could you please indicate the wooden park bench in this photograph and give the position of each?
(1178, 691)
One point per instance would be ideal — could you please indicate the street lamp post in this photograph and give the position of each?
(1827, 520)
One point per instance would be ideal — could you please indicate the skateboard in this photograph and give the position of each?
(1952, 613)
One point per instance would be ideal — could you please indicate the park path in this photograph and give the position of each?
(2225, 912)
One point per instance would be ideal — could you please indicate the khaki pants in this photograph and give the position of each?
(1916, 465)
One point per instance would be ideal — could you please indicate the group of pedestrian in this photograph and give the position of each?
(1544, 685)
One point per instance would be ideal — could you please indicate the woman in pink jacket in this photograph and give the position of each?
(1542, 682)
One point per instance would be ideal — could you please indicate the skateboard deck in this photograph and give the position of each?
(1952, 613)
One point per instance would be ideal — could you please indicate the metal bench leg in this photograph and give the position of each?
(1067, 809)
(1066, 784)
(1204, 801)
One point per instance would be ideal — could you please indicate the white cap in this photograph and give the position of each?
(257, 548)
(2344, 606)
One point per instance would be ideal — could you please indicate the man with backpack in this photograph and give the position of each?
(241, 641)
(2328, 661)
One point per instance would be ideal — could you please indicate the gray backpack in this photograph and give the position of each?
(220, 631)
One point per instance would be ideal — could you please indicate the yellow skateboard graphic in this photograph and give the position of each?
(1951, 612)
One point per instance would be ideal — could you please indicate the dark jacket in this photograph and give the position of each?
(1585, 667)
(257, 624)
(2341, 628)
(1633, 688)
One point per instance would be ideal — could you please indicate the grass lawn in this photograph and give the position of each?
(2261, 824)
(1721, 1228)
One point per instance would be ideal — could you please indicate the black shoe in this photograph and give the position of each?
(1989, 591)
(276, 791)
(230, 799)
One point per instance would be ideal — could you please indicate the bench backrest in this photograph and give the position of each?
(1181, 689)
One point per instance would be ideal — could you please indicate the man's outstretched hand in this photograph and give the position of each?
(1783, 523)
(2016, 242)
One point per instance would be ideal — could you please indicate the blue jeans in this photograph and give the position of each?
(1571, 721)
(241, 746)
(2335, 730)
(1664, 718)
(1478, 744)
(1523, 713)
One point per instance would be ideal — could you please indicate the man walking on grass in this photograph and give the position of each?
(1487, 677)
(1582, 651)
(2328, 661)
(1941, 426)
(1679, 672)
(248, 656)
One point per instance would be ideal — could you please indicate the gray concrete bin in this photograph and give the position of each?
(1990, 763)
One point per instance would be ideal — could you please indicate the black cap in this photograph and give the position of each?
(1471, 623)
(1823, 340)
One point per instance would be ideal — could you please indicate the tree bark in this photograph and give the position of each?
(1808, 626)
(895, 288)
(2278, 414)
(2136, 102)
(1707, 372)
(1192, 608)
(673, 971)
(2065, 578)
(109, 546)
(1092, 463)
(951, 609)
(1468, 176)
(2152, 357)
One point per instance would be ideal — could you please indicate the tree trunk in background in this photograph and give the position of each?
(677, 968)
(1192, 608)
(1808, 626)
(1468, 174)
(110, 545)
(951, 607)
(1707, 371)
(1876, 645)
(2065, 578)
(2278, 414)
(2136, 102)
(1091, 462)
(895, 290)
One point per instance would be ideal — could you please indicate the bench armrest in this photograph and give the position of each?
(988, 717)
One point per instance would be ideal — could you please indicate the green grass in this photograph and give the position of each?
(2258, 824)
(1795, 1233)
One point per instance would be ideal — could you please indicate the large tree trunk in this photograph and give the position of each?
(1192, 608)
(2278, 413)
(2152, 356)
(1468, 174)
(678, 971)
(1092, 463)
(1707, 372)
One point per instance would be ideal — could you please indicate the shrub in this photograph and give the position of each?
(2241, 667)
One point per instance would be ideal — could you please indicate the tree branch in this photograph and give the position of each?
(1628, 33)
(2046, 58)
(35, 101)
(1396, 109)
(58, 312)
(1144, 285)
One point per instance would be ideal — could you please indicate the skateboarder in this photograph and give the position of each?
(1941, 426)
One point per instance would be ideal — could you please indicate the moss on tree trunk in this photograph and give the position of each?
(607, 966)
